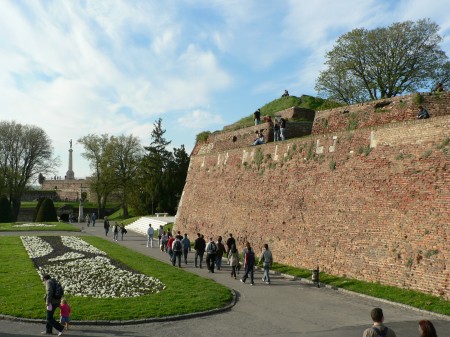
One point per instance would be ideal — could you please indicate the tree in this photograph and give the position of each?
(98, 153)
(47, 212)
(383, 62)
(126, 155)
(25, 151)
(41, 179)
(5, 210)
(174, 179)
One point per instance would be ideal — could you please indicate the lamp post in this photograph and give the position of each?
(80, 208)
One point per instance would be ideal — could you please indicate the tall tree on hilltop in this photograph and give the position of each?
(25, 151)
(383, 62)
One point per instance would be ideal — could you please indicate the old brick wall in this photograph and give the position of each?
(371, 204)
(385, 111)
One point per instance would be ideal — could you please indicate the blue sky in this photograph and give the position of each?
(80, 67)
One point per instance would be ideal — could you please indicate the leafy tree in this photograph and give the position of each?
(126, 155)
(47, 211)
(174, 178)
(25, 151)
(161, 176)
(41, 179)
(443, 76)
(383, 62)
(97, 151)
(5, 210)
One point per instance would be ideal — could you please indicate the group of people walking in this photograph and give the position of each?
(212, 252)
(116, 229)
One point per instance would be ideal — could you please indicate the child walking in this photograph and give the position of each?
(65, 313)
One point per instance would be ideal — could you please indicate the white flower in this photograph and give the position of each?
(35, 246)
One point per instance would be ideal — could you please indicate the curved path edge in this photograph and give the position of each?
(136, 321)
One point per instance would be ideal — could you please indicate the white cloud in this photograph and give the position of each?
(200, 119)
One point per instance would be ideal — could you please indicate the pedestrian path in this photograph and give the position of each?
(285, 308)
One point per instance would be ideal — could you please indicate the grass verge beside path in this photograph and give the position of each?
(22, 292)
(409, 297)
(21, 226)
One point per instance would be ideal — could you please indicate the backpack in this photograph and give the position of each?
(177, 246)
(212, 247)
(58, 290)
(379, 333)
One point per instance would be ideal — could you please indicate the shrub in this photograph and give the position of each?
(5, 209)
(202, 136)
(47, 212)
(38, 206)
(417, 98)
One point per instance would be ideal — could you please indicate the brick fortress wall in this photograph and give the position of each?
(371, 204)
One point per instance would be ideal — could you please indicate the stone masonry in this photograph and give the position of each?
(371, 203)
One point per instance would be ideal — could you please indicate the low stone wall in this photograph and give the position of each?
(379, 112)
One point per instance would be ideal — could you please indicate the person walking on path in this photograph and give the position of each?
(51, 303)
(94, 217)
(378, 329)
(115, 232)
(249, 264)
(64, 313)
(219, 253)
(199, 247)
(211, 253)
(150, 232)
(177, 248)
(106, 225)
(123, 230)
(233, 259)
(266, 259)
(230, 242)
(186, 247)
(160, 234)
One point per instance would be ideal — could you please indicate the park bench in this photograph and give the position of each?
(161, 214)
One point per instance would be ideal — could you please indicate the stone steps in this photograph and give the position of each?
(141, 225)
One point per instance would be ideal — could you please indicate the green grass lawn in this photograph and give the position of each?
(59, 226)
(22, 292)
(409, 297)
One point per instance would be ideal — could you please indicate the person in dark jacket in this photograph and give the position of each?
(199, 247)
(51, 304)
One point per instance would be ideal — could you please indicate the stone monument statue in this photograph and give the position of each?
(70, 174)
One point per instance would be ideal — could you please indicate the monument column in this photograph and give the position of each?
(70, 174)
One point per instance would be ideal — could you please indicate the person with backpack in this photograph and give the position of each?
(378, 329)
(186, 247)
(211, 253)
(266, 259)
(53, 295)
(249, 263)
(177, 248)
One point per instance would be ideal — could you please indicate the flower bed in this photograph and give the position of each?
(84, 270)
(24, 225)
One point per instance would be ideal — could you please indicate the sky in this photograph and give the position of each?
(75, 68)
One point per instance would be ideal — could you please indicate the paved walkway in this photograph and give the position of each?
(286, 308)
